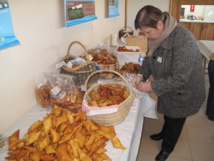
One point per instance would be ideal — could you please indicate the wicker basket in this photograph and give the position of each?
(82, 71)
(124, 107)
(125, 30)
(114, 67)
(136, 40)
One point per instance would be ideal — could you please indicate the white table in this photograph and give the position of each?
(206, 48)
(128, 131)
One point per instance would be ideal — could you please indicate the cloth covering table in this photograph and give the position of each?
(206, 48)
(128, 131)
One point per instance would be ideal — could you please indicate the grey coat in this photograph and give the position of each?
(176, 67)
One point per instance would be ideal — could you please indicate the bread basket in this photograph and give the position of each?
(123, 108)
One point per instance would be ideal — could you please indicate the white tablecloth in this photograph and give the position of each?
(206, 48)
(128, 131)
(127, 57)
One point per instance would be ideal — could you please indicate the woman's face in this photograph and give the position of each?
(153, 33)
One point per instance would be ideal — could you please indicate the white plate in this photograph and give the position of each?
(130, 47)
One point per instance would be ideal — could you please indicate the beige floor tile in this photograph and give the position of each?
(150, 146)
(151, 126)
(182, 150)
(151, 157)
(212, 130)
(171, 158)
(202, 151)
(184, 134)
(196, 121)
(146, 157)
(200, 134)
(210, 123)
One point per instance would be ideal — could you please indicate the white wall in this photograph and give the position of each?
(39, 26)
(209, 13)
(135, 5)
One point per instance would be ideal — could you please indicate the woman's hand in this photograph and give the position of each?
(144, 87)
(137, 80)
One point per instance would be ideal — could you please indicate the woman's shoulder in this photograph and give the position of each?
(179, 36)
(180, 32)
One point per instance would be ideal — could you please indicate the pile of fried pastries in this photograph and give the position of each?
(63, 136)
(71, 100)
(107, 95)
(125, 49)
(130, 68)
(103, 57)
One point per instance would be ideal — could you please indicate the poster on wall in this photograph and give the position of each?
(113, 9)
(79, 11)
(7, 37)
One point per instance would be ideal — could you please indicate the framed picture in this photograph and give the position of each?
(79, 11)
(112, 8)
(7, 36)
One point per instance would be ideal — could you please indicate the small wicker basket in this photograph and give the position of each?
(114, 67)
(124, 107)
(82, 71)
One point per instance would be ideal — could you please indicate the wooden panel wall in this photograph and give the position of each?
(201, 31)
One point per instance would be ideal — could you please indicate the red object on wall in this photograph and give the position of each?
(192, 8)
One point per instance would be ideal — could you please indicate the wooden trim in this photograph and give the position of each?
(197, 2)
(126, 6)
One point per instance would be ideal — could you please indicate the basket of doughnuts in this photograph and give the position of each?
(106, 61)
(79, 71)
(108, 102)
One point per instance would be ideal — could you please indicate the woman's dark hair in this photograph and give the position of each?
(148, 16)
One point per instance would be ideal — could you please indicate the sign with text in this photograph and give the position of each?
(192, 8)
(7, 37)
(79, 11)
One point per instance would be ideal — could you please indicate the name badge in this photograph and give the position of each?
(159, 59)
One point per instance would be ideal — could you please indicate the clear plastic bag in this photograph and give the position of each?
(63, 91)
(42, 92)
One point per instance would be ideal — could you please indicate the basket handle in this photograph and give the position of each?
(111, 71)
(124, 28)
(77, 42)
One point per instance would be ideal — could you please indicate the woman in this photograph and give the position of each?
(174, 61)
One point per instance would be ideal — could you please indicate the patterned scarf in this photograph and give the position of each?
(170, 24)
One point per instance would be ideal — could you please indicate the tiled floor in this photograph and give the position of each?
(196, 142)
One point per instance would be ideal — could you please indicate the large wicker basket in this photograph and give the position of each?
(124, 107)
(82, 71)
(114, 67)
